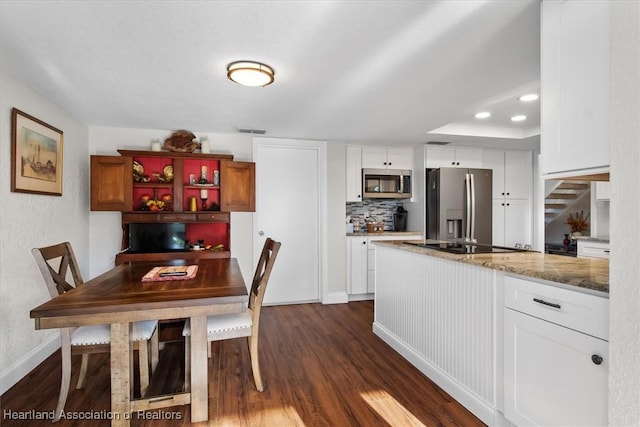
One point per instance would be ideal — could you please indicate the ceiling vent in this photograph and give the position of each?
(438, 142)
(252, 131)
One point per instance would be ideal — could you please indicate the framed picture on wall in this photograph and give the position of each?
(36, 155)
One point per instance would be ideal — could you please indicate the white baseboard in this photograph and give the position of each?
(335, 298)
(35, 357)
(361, 297)
(465, 397)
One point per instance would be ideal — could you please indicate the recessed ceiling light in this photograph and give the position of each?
(529, 97)
(250, 73)
(518, 118)
(483, 115)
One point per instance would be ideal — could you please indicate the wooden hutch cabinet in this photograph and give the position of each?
(125, 183)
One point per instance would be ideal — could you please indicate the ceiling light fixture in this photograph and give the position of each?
(483, 115)
(518, 118)
(529, 97)
(250, 73)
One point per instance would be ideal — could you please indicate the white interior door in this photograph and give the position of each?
(290, 178)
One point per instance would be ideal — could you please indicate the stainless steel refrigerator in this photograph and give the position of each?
(459, 204)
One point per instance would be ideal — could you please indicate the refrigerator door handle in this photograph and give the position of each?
(467, 207)
(472, 235)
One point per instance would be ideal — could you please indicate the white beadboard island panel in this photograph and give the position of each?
(440, 315)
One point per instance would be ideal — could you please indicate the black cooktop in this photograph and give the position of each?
(466, 248)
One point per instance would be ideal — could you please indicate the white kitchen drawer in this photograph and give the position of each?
(587, 248)
(575, 310)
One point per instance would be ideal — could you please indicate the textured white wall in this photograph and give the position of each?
(624, 351)
(336, 212)
(28, 221)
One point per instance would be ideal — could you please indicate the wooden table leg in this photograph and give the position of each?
(199, 371)
(121, 364)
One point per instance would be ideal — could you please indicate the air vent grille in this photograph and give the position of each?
(252, 131)
(438, 143)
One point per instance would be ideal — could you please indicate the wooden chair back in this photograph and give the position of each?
(262, 274)
(55, 262)
(56, 276)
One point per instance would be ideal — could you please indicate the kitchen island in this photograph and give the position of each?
(450, 316)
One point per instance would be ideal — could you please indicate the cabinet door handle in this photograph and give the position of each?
(596, 359)
(550, 304)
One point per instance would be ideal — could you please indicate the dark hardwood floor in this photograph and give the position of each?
(321, 364)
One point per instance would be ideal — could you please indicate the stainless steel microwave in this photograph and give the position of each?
(386, 183)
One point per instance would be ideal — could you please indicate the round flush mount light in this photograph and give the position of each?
(518, 118)
(250, 73)
(529, 97)
(483, 115)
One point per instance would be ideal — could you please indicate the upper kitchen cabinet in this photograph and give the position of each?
(354, 174)
(453, 157)
(387, 158)
(512, 173)
(575, 92)
(512, 196)
(238, 192)
(111, 186)
(174, 177)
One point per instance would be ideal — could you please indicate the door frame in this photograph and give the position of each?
(321, 148)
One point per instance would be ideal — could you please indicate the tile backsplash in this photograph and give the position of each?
(380, 209)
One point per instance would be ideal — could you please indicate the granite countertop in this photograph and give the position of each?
(385, 233)
(586, 273)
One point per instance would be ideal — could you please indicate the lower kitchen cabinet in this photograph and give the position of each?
(357, 265)
(512, 223)
(555, 356)
(361, 264)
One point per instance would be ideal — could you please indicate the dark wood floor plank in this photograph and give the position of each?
(321, 365)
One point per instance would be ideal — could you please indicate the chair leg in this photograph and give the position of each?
(143, 362)
(83, 371)
(255, 362)
(66, 375)
(187, 364)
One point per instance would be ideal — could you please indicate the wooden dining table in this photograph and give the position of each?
(119, 297)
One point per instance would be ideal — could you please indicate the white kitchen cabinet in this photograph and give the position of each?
(387, 158)
(512, 173)
(357, 264)
(354, 174)
(361, 261)
(512, 194)
(575, 81)
(512, 222)
(371, 259)
(602, 190)
(555, 355)
(593, 249)
(457, 157)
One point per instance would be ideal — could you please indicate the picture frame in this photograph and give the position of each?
(36, 155)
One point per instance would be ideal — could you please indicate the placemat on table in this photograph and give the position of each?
(165, 273)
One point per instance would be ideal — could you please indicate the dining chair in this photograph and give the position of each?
(244, 324)
(55, 262)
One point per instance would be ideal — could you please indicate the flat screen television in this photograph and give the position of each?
(148, 238)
